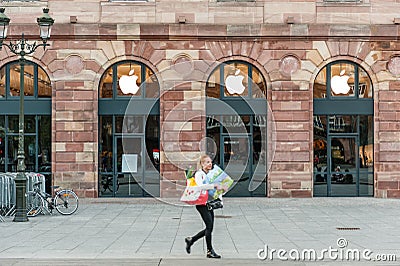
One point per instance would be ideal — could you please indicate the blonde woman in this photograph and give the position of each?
(205, 165)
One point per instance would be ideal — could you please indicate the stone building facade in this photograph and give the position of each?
(288, 42)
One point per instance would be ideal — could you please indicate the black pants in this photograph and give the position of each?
(208, 219)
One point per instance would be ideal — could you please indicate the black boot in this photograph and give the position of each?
(189, 243)
(211, 254)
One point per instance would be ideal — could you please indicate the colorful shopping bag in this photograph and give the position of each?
(192, 194)
(218, 176)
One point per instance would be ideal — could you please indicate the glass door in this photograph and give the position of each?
(126, 177)
(237, 162)
(343, 174)
(129, 174)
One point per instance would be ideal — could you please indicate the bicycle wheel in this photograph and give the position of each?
(34, 204)
(66, 202)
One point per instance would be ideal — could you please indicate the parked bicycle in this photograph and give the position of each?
(65, 201)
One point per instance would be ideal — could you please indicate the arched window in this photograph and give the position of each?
(129, 79)
(129, 131)
(37, 110)
(236, 110)
(36, 82)
(236, 79)
(343, 131)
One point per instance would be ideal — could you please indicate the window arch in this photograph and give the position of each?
(36, 81)
(343, 80)
(236, 79)
(128, 79)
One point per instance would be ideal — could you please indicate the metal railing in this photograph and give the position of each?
(7, 190)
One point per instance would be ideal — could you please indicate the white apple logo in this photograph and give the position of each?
(127, 83)
(234, 83)
(339, 83)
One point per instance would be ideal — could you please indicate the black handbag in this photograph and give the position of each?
(214, 204)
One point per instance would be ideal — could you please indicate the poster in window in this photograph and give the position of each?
(129, 163)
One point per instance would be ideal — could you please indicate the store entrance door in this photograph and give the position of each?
(343, 168)
(126, 178)
(237, 161)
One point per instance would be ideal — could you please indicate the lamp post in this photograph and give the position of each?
(22, 48)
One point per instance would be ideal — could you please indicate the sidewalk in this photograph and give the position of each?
(152, 232)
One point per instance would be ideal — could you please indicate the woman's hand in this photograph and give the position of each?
(219, 187)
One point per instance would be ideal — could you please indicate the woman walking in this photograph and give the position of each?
(207, 215)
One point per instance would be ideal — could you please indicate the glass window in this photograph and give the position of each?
(129, 79)
(37, 144)
(2, 82)
(342, 79)
(36, 82)
(236, 79)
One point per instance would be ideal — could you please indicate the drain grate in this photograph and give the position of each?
(348, 228)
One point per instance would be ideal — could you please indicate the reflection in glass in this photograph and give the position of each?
(152, 86)
(44, 84)
(36, 81)
(106, 144)
(128, 169)
(366, 143)
(2, 82)
(106, 84)
(320, 84)
(29, 124)
(44, 149)
(320, 148)
(258, 84)
(343, 124)
(129, 124)
(243, 153)
(236, 124)
(365, 86)
(29, 86)
(213, 88)
(237, 163)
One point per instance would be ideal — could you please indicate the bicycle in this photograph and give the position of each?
(65, 201)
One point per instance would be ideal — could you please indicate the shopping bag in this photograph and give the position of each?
(218, 176)
(192, 195)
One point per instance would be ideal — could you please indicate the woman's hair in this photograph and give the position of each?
(201, 161)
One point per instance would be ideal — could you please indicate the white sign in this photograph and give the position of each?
(129, 163)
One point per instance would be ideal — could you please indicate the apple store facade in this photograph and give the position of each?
(122, 106)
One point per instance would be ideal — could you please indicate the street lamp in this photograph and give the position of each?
(23, 48)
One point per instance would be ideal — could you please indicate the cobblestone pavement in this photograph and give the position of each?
(152, 232)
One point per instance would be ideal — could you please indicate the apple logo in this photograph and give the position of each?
(234, 83)
(339, 83)
(127, 83)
